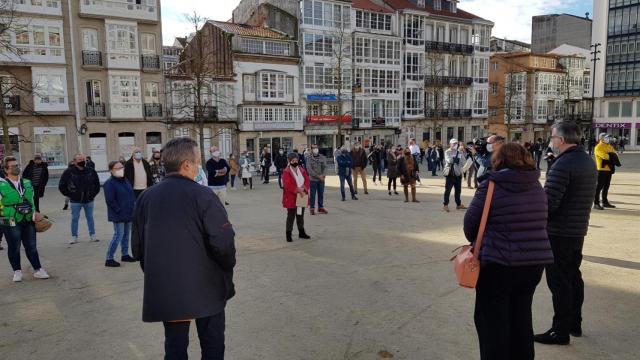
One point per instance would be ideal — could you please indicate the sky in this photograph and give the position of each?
(512, 18)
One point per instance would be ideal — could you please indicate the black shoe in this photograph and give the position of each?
(343, 199)
(127, 258)
(289, 238)
(111, 263)
(66, 207)
(552, 337)
(598, 206)
(303, 235)
(389, 192)
(354, 197)
(608, 205)
(226, 203)
(576, 331)
(366, 193)
(397, 193)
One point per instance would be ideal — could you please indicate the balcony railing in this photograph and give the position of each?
(140, 10)
(207, 112)
(91, 58)
(437, 46)
(96, 110)
(448, 81)
(152, 110)
(151, 62)
(447, 113)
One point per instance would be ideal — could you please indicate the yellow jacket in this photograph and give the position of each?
(602, 151)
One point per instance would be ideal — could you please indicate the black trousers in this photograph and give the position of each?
(293, 215)
(503, 311)
(565, 282)
(210, 333)
(453, 182)
(392, 181)
(604, 181)
(36, 202)
(248, 181)
(265, 173)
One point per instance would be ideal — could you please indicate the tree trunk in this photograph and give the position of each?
(5, 126)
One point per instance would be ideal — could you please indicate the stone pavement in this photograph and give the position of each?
(374, 282)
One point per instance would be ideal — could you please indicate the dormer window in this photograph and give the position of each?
(454, 6)
(437, 4)
(421, 3)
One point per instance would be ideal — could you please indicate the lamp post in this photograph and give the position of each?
(594, 59)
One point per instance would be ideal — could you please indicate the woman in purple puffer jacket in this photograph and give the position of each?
(514, 250)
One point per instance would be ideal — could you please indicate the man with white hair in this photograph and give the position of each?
(605, 154)
(217, 170)
(454, 159)
(138, 171)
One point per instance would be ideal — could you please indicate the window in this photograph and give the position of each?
(373, 21)
(122, 39)
(318, 45)
(413, 29)
(494, 88)
(94, 92)
(614, 109)
(151, 93)
(38, 39)
(377, 51)
(51, 143)
(377, 81)
(480, 102)
(480, 70)
(437, 4)
(413, 102)
(321, 13)
(255, 46)
(413, 65)
(321, 76)
(50, 89)
(125, 89)
(249, 85)
(148, 44)
(626, 108)
(272, 86)
(90, 39)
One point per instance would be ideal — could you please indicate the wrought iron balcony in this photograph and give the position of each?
(152, 110)
(447, 113)
(448, 81)
(96, 110)
(91, 58)
(151, 62)
(437, 46)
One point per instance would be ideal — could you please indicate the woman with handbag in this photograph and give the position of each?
(513, 251)
(17, 216)
(408, 171)
(452, 171)
(246, 171)
(295, 196)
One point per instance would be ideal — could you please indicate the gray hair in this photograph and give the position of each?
(570, 131)
(177, 151)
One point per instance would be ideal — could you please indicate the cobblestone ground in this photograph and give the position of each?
(374, 282)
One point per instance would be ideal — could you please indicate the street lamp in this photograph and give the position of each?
(594, 59)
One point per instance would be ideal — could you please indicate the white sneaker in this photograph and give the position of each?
(41, 274)
(17, 276)
(74, 239)
(94, 238)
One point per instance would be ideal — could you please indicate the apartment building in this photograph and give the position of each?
(508, 45)
(529, 92)
(553, 30)
(617, 74)
(37, 83)
(446, 70)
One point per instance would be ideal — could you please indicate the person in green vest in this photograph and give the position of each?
(17, 216)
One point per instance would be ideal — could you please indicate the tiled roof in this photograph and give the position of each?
(248, 30)
(369, 5)
(405, 4)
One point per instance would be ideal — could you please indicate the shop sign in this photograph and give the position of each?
(274, 125)
(321, 119)
(322, 98)
(612, 125)
(378, 123)
(11, 103)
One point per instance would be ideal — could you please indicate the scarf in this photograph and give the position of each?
(297, 174)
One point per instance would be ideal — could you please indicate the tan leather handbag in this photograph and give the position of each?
(466, 264)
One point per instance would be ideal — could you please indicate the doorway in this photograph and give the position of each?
(98, 150)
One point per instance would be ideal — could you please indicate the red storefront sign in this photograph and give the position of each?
(323, 119)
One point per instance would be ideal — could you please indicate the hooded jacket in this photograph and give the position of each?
(79, 185)
(516, 231)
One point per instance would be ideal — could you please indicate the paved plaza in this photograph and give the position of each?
(374, 282)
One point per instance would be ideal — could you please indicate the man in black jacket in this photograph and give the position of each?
(138, 171)
(187, 253)
(38, 173)
(81, 185)
(359, 158)
(218, 174)
(570, 187)
(280, 162)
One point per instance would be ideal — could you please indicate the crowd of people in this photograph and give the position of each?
(530, 228)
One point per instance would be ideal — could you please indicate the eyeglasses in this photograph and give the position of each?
(556, 137)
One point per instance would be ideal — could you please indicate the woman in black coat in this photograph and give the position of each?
(392, 168)
(408, 171)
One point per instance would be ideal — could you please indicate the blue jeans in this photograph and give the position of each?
(317, 186)
(25, 233)
(75, 216)
(349, 181)
(121, 232)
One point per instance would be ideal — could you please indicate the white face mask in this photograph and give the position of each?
(316, 151)
(119, 173)
(216, 154)
(490, 147)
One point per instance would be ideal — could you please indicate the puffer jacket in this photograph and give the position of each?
(392, 165)
(516, 233)
(571, 187)
(601, 153)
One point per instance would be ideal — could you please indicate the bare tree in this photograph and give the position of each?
(434, 89)
(341, 58)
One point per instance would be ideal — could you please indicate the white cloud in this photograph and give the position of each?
(173, 15)
(512, 18)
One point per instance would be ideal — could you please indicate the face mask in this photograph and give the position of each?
(316, 151)
(137, 156)
(216, 154)
(281, 152)
(119, 173)
(15, 171)
(490, 147)
(357, 147)
(454, 145)
(81, 164)
(607, 140)
(156, 157)
(294, 164)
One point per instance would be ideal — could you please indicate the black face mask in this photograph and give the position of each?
(81, 164)
(294, 164)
